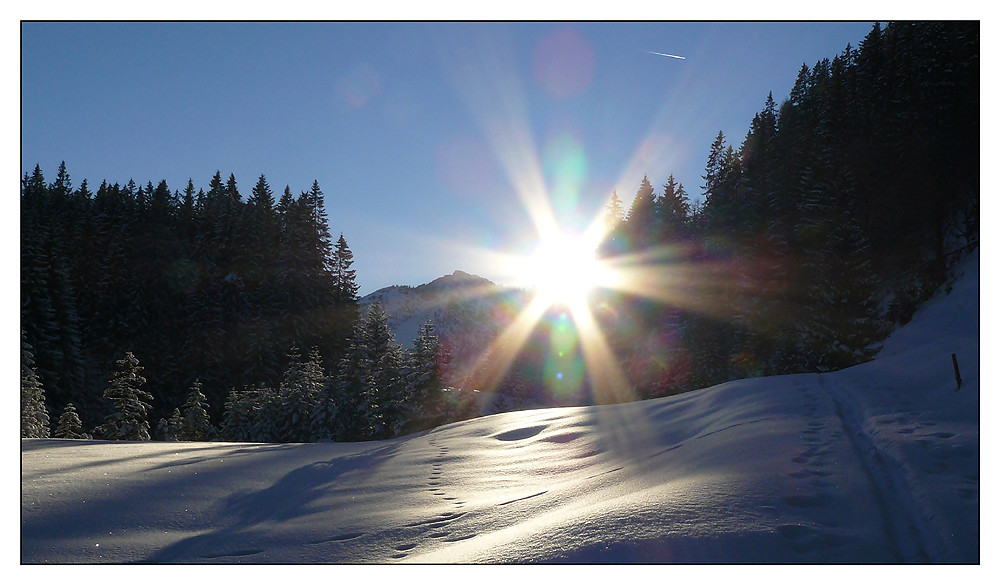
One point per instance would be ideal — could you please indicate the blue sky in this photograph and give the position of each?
(428, 139)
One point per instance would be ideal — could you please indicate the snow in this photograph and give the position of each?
(878, 463)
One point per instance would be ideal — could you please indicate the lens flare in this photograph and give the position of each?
(575, 293)
(564, 160)
(359, 87)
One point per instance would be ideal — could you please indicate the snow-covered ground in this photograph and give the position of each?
(879, 463)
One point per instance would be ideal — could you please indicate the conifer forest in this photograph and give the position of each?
(219, 312)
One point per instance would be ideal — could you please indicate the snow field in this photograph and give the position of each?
(874, 464)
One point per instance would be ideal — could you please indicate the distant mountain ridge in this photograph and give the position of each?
(468, 312)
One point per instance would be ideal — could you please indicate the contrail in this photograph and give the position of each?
(666, 55)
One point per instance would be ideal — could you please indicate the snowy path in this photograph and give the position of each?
(899, 515)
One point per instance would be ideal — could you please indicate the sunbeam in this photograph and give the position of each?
(560, 267)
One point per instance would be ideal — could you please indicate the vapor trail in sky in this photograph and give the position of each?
(666, 55)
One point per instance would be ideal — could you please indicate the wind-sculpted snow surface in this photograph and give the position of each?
(874, 464)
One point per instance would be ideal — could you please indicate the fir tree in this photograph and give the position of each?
(297, 395)
(324, 417)
(641, 222)
(424, 383)
(195, 425)
(34, 415)
(237, 420)
(673, 209)
(131, 403)
(386, 388)
(70, 426)
(171, 429)
(351, 391)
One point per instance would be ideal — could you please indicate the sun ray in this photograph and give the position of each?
(494, 362)
(563, 271)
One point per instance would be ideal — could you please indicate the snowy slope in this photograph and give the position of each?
(874, 464)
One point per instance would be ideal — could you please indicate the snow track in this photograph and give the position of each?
(908, 531)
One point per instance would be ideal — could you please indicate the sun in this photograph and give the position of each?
(563, 269)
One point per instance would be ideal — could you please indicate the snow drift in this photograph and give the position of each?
(878, 463)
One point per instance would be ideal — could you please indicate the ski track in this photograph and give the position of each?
(907, 529)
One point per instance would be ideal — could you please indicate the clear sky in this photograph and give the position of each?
(431, 141)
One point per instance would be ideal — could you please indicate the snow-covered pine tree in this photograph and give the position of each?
(265, 405)
(235, 418)
(423, 383)
(70, 426)
(386, 392)
(131, 403)
(195, 424)
(170, 429)
(323, 419)
(34, 415)
(350, 390)
(300, 385)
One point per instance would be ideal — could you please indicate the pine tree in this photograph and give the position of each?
(170, 429)
(386, 385)
(34, 415)
(351, 392)
(70, 426)
(324, 416)
(614, 213)
(614, 242)
(641, 223)
(345, 298)
(195, 425)
(424, 383)
(345, 287)
(297, 395)
(673, 209)
(131, 403)
(237, 421)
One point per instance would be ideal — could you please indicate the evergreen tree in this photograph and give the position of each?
(70, 426)
(195, 424)
(614, 216)
(386, 387)
(673, 209)
(351, 391)
(131, 403)
(237, 421)
(344, 277)
(297, 396)
(641, 224)
(614, 212)
(324, 417)
(345, 298)
(424, 380)
(34, 415)
(171, 429)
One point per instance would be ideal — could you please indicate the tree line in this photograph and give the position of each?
(837, 215)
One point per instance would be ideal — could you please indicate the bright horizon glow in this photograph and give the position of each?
(563, 269)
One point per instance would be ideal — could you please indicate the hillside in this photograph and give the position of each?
(878, 463)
